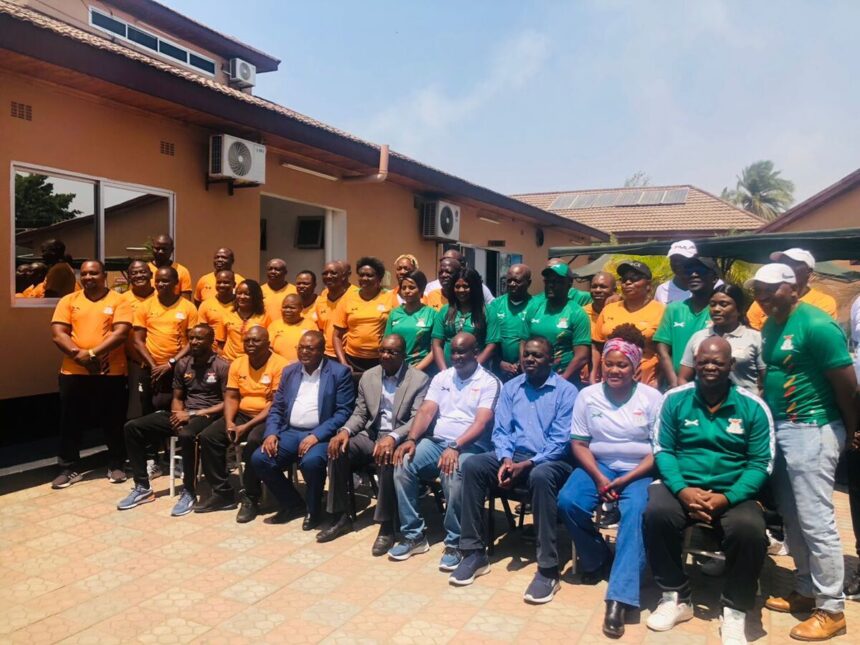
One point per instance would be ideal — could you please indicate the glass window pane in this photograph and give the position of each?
(54, 230)
(106, 22)
(201, 63)
(142, 38)
(172, 51)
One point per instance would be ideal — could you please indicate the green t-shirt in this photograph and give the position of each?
(415, 329)
(797, 355)
(566, 328)
(505, 326)
(678, 324)
(579, 296)
(445, 331)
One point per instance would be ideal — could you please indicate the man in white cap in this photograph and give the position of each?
(675, 289)
(803, 264)
(809, 387)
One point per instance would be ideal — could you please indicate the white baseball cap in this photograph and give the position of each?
(796, 254)
(685, 248)
(775, 273)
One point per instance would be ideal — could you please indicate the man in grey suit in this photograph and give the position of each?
(389, 395)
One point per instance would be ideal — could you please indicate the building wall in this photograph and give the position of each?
(840, 212)
(82, 134)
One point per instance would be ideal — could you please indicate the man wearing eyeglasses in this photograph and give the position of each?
(389, 396)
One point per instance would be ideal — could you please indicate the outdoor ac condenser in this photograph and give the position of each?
(242, 73)
(236, 159)
(441, 221)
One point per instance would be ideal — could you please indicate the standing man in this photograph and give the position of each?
(436, 285)
(140, 280)
(448, 267)
(802, 263)
(162, 257)
(505, 321)
(161, 327)
(810, 386)
(603, 287)
(90, 327)
(389, 396)
(335, 277)
(461, 400)
(60, 278)
(206, 287)
(306, 287)
(251, 382)
(683, 319)
(530, 448)
(214, 311)
(276, 287)
(199, 382)
(676, 289)
(315, 398)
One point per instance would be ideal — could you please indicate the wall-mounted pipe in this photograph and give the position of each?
(379, 177)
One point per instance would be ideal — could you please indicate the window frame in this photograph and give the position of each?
(99, 184)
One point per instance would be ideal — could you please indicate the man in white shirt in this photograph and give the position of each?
(461, 400)
(435, 285)
(676, 288)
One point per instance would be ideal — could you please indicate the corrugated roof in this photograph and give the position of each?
(702, 212)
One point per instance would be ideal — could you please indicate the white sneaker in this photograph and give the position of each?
(732, 629)
(669, 613)
(153, 469)
(776, 547)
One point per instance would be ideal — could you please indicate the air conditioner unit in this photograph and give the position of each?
(441, 221)
(242, 73)
(237, 159)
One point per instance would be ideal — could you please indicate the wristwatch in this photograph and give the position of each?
(92, 354)
(453, 446)
(193, 413)
(171, 362)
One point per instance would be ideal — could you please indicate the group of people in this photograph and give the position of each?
(669, 406)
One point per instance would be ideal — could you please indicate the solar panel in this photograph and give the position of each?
(651, 197)
(562, 202)
(605, 199)
(676, 196)
(584, 201)
(629, 198)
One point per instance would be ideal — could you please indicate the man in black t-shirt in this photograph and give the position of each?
(199, 381)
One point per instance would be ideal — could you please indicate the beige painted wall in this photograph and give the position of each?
(840, 212)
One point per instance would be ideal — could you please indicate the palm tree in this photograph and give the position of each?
(760, 190)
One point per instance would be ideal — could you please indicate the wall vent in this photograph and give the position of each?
(168, 148)
(22, 111)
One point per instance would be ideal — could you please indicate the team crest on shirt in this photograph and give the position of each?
(210, 377)
(562, 323)
(736, 426)
(381, 308)
(265, 379)
(108, 311)
(787, 345)
(180, 315)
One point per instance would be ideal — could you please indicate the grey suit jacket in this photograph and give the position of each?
(407, 399)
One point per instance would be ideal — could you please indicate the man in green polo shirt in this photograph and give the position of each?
(563, 322)
(684, 318)
(713, 447)
(505, 316)
(810, 385)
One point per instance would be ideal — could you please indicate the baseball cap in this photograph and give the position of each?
(775, 273)
(559, 269)
(708, 263)
(633, 265)
(684, 248)
(796, 254)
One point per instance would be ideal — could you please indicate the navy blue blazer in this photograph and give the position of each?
(336, 399)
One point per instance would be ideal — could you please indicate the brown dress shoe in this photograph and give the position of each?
(821, 626)
(793, 603)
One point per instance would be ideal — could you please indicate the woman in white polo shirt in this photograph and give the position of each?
(610, 441)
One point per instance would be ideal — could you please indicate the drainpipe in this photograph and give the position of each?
(379, 177)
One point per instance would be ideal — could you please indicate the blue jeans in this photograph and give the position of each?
(576, 504)
(803, 479)
(424, 466)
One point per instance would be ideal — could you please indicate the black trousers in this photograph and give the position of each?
(359, 454)
(213, 456)
(544, 481)
(852, 462)
(155, 396)
(87, 401)
(144, 431)
(743, 539)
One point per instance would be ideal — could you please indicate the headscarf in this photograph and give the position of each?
(631, 351)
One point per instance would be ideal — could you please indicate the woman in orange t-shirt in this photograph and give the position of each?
(248, 310)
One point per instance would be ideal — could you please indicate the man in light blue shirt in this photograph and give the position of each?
(530, 450)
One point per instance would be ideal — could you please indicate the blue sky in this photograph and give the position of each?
(528, 96)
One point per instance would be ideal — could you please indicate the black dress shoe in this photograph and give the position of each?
(341, 527)
(613, 620)
(382, 544)
(310, 522)
(248, 510)
(285, 514)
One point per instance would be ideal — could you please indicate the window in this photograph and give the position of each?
(309, 232)
(62, 219)
(167, 49)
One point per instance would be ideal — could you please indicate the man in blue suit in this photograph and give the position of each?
(314, 399)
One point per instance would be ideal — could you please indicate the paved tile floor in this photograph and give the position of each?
(75, 570)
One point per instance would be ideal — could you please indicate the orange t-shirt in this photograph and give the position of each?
(256, 387)
(274, 300)
(205, 287)
(134, 302)
(364, 321)
(285, 337)
(91, 322)
(212, 312)
(435, 299)
(166, 327)
(184, 276)
(234, 330)
(324, 310)
(645, 320)
(814, 297)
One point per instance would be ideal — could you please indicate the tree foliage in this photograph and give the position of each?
(761, 191)
(37, 205)
(637, 179)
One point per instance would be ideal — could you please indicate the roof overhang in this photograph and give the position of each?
(807, 206)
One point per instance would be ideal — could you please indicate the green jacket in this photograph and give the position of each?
(729, 452)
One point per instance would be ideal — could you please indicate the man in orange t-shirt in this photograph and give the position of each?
(335, 277)
(276, 287)
(162, 256)
(90, 327)
(206, 287)
(140, 281)
(306, 287)
(213, 311)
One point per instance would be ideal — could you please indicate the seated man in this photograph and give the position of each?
(461, 400)
(530, 449)
(713, 446)
(251, 382)
(389, 396)
(314, 399)
(199, 381)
